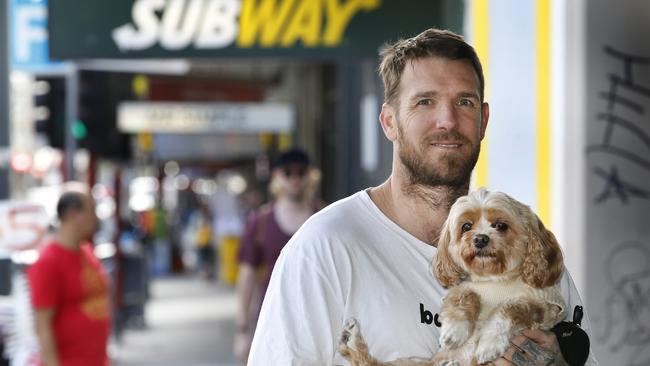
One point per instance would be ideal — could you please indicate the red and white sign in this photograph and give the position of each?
(23, 225)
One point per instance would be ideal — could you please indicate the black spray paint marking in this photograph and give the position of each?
(615, 183)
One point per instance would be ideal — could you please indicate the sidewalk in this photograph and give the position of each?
(189, 323)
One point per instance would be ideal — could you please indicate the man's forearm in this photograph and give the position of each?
(246, 286)
(46, 341)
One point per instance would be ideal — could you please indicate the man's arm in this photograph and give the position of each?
(245, 289)
(47, 343)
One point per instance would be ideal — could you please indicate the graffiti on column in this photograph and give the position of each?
(627, 306)
(624, 112)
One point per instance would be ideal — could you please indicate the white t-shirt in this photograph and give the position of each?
(350, 260)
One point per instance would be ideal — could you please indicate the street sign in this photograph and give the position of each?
(204, 117)
(22, 225)
(29, 39)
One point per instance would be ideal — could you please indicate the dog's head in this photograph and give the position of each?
(489, 235)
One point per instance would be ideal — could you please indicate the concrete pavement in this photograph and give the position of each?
(190, 322)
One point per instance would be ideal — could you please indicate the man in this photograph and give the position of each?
(70, 290)
(369, 256)
(292, 186)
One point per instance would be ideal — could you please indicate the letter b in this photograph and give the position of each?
(426, 316)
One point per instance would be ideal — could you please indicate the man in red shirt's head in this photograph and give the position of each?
(70, 290)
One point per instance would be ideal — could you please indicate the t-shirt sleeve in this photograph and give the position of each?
(572, 298)
(43, 284)
(302, 312)
(250, 251)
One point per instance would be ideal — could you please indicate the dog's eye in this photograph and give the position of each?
(466, 227)
(500, 226)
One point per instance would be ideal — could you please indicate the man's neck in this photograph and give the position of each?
(288, 203)
(66, 237)
(419, 210)
(291, 214)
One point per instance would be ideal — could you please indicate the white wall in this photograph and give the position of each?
(509, 31)
(617, 174)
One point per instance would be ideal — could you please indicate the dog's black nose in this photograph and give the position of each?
(481, 240)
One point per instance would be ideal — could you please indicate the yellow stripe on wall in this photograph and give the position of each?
(543, 106)
(480, 13)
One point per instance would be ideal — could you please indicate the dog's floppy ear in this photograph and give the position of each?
(446, 271)
(543, 264)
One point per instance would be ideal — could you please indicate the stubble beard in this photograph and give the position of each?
(451, 173)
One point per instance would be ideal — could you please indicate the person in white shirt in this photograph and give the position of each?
(369, 256)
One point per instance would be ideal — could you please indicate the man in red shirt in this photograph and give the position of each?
(70, 293)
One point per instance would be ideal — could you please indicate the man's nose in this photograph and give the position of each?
(445, 116)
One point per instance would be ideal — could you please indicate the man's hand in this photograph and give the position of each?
(532, 348)
(242, 346)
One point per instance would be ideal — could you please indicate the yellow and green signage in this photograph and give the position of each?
(240, 28)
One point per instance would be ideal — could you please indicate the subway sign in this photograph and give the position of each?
(238, 28)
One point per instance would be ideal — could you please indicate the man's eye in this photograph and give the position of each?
(466, 227)
(424, 102)
(465, 102)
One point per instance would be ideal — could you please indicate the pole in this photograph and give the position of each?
(71, 116)
(4, 100)
(5, 261)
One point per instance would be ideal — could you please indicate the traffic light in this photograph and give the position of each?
(96, 128)
(49, 109)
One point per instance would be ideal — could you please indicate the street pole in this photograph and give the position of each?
(4, 100)
(71, 116)
(5, 261)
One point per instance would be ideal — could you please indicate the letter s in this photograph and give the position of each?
(127, 37)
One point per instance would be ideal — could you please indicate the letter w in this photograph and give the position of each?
(262, 21)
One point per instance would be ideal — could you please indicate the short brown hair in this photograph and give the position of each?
(430, 43)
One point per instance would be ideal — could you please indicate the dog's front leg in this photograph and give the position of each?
(460, 310)
(353, 347)
(505, 322)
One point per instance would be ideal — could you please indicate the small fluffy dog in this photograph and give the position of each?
(501, 266)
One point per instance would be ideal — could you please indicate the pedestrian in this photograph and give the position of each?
(202, 222)
(70, 290)
(369, 255)
(293, 186)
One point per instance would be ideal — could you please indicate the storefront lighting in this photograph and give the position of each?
(21, 162)
(172, 168)
(182, 182)
(105, 250)
(236, 184)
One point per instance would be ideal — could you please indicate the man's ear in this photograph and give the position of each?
(388, 121)
(485, 117)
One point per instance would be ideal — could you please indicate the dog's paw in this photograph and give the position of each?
(349, 335)
(448, 363)
(493, 343)
(453, 334)
(487, 351)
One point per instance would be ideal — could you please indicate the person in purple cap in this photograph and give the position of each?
(293, 185)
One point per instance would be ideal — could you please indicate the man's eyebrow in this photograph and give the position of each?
(469, 95)
(424, 94)
(431, 93)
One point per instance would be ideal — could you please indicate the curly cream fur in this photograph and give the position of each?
(523, 255)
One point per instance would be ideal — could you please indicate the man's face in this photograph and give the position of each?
(292, 179)
(439, 121)
(87, 218)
